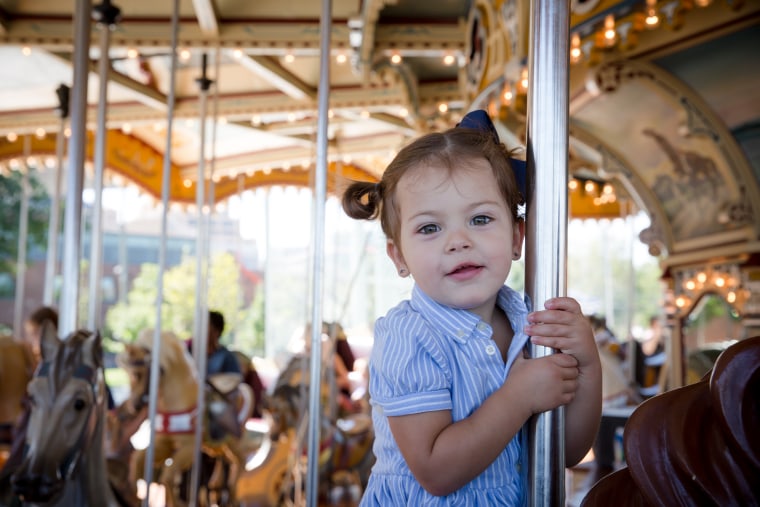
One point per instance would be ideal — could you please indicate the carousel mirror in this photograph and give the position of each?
(708, 329)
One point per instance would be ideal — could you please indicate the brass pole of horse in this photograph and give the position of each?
(546, 219)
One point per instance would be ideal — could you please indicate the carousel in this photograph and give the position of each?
(138, 140)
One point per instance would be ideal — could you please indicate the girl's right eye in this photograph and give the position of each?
(428, 229)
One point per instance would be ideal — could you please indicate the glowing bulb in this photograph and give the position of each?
(701, 277)
(573, 184)
(395, 58)
(575, 48)
(652, 20)
(609, 29)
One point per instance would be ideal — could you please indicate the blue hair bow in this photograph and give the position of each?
(480, 120)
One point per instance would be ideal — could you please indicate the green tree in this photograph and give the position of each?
(10, 202)
(126, 320)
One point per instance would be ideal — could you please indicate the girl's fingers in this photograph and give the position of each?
(563, 303)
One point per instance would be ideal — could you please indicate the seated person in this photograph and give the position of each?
(220, 358)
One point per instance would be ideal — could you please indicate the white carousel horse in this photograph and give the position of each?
(177, 416)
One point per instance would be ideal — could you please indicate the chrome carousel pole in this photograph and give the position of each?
(72, 226)
(200, 340)
(165, 189)
(546, 214)
(23, 233)
(318, 240)
(54, 219)
(106, 16)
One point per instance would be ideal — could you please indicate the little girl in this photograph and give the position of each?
(450, 386)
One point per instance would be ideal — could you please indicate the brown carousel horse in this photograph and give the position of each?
(177, 416)
(16, 370)
(63, 462)
(345, 458)
(695, 445)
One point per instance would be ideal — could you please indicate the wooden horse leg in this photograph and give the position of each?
(171, 472)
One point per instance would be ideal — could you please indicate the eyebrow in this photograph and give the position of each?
(470, 208)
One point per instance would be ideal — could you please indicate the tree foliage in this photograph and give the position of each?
(10, 202)
(126, 320)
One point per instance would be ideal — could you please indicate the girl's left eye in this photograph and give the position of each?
(428, 229)
(481, 220)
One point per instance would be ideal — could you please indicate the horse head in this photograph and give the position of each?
(68, 402)
(135, 360)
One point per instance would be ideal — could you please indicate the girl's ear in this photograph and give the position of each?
(518, 235)
(394, 252)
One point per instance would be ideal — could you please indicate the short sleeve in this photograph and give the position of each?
(409, 372)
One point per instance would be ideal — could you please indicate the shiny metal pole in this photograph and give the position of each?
(318, 240)
(54, 219)
(72, 225)
(546, 214)
(155, 366)
(23, 233)
(106, 15)
(200, 338)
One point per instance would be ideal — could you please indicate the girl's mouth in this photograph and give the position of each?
(465, 271)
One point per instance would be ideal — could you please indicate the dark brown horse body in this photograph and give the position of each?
(696, 445)
(64, 463)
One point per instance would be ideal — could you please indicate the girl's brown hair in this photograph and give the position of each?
(452, 149)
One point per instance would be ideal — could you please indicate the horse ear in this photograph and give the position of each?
(48, 340)
(94, 347)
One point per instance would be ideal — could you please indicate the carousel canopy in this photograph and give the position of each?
(664, 95)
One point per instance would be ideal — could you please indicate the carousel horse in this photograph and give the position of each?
(695, 445)
(63, 462)
(16, 370)
(177, 417)
(346, 457)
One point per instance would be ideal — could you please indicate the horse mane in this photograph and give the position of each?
(173, 350)
(66, 358)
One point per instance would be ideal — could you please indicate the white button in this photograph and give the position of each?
(490, 350)
(482, 326)
(461, 333)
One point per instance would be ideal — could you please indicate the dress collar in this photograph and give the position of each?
(461, 324)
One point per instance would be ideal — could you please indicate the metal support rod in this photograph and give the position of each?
(23, 233)
(107, 16)
(546, 235)
(165, 189)
(72, 224)
(200, 338)
(54, 219)
(318, 240)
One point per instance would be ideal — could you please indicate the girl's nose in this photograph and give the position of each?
(458, 240)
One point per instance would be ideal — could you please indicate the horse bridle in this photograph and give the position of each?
(90, 375)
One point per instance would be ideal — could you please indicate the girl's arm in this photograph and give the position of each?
(564, 327)
(445, 455)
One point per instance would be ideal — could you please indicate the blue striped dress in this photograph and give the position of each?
(427, 357)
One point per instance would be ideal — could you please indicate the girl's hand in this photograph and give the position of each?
(553, 380)
(563, 326)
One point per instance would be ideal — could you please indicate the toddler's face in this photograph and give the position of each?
(457, 236)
